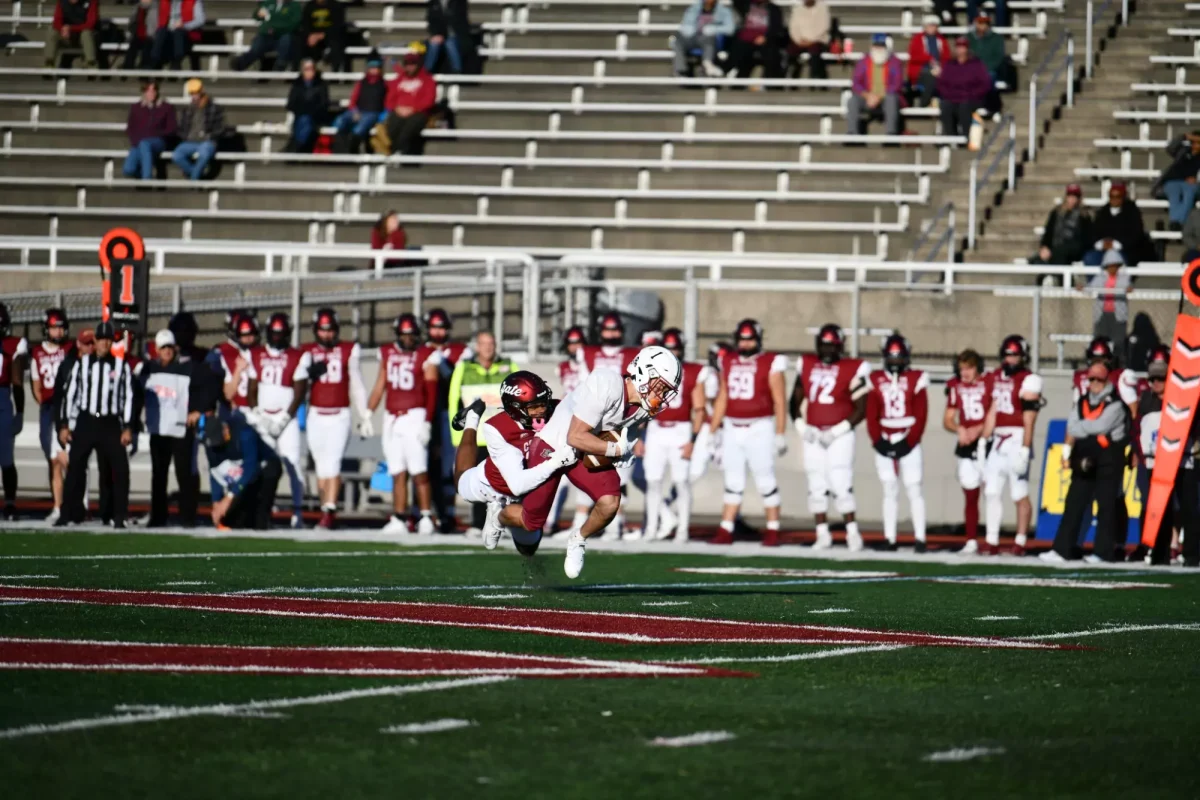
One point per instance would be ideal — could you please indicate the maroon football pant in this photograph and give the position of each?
(537, 504)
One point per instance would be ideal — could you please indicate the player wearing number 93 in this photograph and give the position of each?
(831, 396)
(408, 375)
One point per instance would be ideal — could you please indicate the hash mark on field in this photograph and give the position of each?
(995, 618)
(832, 611)
(669, 603)
(692, 739)
(501, 596)
(187, 583)
(436, 726)
(963, 754)
(23, 577)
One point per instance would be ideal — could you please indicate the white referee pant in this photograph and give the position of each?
(750, 443)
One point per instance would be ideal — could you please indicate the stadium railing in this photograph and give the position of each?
(926, 247)
(1060, 59)
(976, 182)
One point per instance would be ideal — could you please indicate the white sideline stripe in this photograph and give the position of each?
(841, 651)
(692, 739)
(784, 572)
(434, 726)
(226, 709)
(599, 587)
(501, 596)
(1181, 626)
(187, 583)
(249, 554)
(508, 671)
(23, 577)
(832, 611)
(994, 618)
(963, 754)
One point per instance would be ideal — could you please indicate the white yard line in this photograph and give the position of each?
(963, 754)
(994, 618)
(187, 583)
(814, 655)
(227, 709)
(501, 596)
(664, 603)
(248, 554)
(434, 726)
(692, 739)
(25, 577)
(1181, 626)
(832, 611)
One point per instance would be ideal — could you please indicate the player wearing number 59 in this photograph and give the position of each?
(750, 404)
(408, 375)
(828, 400)
(335, 378)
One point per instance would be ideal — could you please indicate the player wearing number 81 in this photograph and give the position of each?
(408, 376)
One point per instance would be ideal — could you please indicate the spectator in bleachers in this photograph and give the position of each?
(1191, 236)
(150, 127)
(1118, 226)
(1179, 180)
(308, 101)
(279, 31)
(143, 23)
(1110, 310)
(388, 234)
(808, 30)
(450, 30)
(987, 45)
(963, 85)
(702, 23)
(201, 124)
(324, 31)
(1000, 7)
(1068, 231)
(179, 24)
(761, 36)
(877, 89)
(368, 108)
(926, 53)
(411, 96)
(74, 25)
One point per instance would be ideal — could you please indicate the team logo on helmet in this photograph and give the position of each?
(56, 318)
(656, 374)
(1100, 349)
(408, 330)
(526, 398)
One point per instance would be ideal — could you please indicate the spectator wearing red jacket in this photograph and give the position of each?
(926, 53)
(179, 24)
(411, 96)
(74, 25)
(388, 234)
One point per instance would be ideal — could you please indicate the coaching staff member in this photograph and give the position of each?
(172, 411)
(99, 398)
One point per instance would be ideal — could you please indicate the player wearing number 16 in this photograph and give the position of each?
(408, 376)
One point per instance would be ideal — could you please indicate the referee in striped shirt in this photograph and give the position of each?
(99, 398)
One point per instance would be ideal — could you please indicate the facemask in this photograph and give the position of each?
(878, 55)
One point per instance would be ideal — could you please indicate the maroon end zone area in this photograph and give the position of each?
(63, 654)
(632, 628)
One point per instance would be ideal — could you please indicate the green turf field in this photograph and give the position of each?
(430, 672)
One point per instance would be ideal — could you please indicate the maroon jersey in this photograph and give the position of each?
(1006, 391)
(505, 427)
(680, 407)
(405, 379)
(332, 390)
(897, 404)
(747, 383)
(229, 353)
(11, 348)
(831, 389)
(603, 356)
(971, 399)
(275, 371)
(45, 364)
(570, 374)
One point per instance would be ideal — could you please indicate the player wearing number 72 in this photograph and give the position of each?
(408, 375)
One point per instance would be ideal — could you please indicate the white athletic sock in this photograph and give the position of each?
(916, 506)
(471, 421)
(772, 524)
(683, 509)
(580, 518)
(653, 504)
(822, 531)
(852, 530)
(995, 512)
(727, 525)
(1019, 539)
(891, 511)
(426, 513)
(329, 506)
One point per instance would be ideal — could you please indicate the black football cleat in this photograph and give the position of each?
(920, 547)
(10, 512)
(460, 419)
(888, 547)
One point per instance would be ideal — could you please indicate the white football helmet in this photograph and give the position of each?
(657, 374)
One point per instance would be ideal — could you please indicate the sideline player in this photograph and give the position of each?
(242, 330)
(897, 410)
(14, 354)
(707, 447)
(278, 384)
(670, 439)
(830, 395)
(438, 324)
(1016, 399)
(502, 477)
(571, 373)
(967, 403)
(751, 412)
(599, 405)
(408, 374)
(335, 384)
(45, 359)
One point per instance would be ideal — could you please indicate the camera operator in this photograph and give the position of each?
(1099, 424)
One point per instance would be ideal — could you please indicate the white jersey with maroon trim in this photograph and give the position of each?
(1006, 391)
(277, 372)
(747, 383)
(599, 401)
(333, 389)
(830, 390)
(44, 362)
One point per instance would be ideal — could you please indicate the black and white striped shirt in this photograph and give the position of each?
(102, 387)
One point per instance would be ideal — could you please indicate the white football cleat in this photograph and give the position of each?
(53, 516)
(970, 548)
(823, 542)
(492, 530)
(1092, 558)
(1052, 557)
(666, 522)
(633, 535)
(473, 533)
(854, 542)
(425, 526)
(573, 564)
(395, 525)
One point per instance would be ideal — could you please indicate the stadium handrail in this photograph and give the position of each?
(945, 239)
(1048, 62)
(977, 182)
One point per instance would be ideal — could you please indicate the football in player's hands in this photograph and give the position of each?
(594, 462)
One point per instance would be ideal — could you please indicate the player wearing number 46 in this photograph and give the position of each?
(828, 400)
(750, 411)
(408, 375)
(336, 382)
(897, 409)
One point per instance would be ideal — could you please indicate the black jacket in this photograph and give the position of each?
(1125, 227)
(309, 98)
(323, 17)
(453, 18)
(1083, 238)
(776, 27)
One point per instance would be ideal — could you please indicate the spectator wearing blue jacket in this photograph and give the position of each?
(244, 469)
(702, 23)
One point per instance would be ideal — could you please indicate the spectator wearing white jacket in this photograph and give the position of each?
(702, 23)
(809, 29)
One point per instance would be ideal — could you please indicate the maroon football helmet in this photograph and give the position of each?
(56, 318)
(612, 329)
(748, 330)
(408, 331)
(279, 331)
(438, 322)
(1157, 362)
(1013, 345)
(672, 339)
(831, 343)
(1100, 349)
(522, 393)
(325, 319)
(896, 354)
(246, 326)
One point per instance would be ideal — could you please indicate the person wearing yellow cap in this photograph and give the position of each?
(201, 124)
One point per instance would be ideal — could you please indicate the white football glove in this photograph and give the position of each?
(366, 428)
(425, 433)
(808, 433)
(981, 449)
(620, 448)
(276, 425)
(1021, 461)
(781, 445)
(836, 432)
(564, 457)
